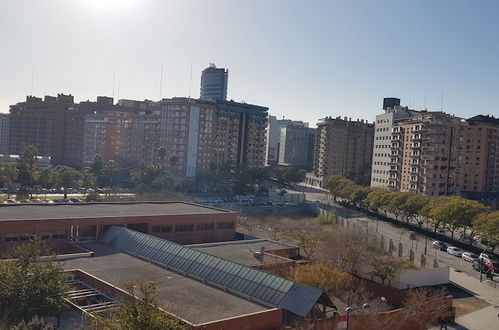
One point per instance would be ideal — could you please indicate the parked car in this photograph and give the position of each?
(75, 200)
(487, 257)
(440, 232)
(439, 245)
(11, 201)
(456, 252)
(469, 257)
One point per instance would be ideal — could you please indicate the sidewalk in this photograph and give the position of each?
(482, 319)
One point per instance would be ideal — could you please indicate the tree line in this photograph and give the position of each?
(142, 177)
(452, 213)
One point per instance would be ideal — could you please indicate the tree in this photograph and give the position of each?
(111, 168)
(339, 186)
(428, 307)
(308, 243)
(8, 173)
(487, 225)
(139, 312)
(384, 268)
(27, 161)
(375, 198)
(67, 177)
(162, 154)
(456, 212)
(359, 196)
(46, 176)
(29, 284)
(34, 324)
(97, 169)
(329, 279)
(396, 203)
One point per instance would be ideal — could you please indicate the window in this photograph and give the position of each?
(188, 227)
(161, 229)
(206, 226)
(225, 225)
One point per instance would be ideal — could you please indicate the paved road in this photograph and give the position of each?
(399, 235)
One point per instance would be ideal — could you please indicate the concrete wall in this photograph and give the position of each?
(266, 320)
(422, 277)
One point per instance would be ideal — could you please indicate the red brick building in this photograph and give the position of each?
(61, 223)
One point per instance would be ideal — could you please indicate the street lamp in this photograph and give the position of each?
(352, 309)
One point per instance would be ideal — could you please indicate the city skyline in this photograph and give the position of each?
(304, 62)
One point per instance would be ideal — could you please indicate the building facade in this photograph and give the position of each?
(214, 83)
(296, 147)
(274, 126)
(426, 154)
(4, 133)
(381, 157)
(481, 156)
(343, 147)
(41, 123)
(240, 135)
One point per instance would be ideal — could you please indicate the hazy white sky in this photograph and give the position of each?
(302, 59)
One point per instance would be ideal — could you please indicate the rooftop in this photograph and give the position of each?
(101, 210)
(241, 252)
(190, 299)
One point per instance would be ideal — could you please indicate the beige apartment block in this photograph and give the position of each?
(343, 147)
(481, 155)
(426, 154)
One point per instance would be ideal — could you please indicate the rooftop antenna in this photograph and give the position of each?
(190, 82)
(161, 83)
(442, 100)
(118, 97)
(425, 107)
(32, 81)
(113, 84)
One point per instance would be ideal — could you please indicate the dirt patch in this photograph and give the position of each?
(467, 305)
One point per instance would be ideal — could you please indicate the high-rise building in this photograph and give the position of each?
(188, 129)
(481, 156)
(296, 147)
(390, 102)
(343, 147)
(4, 133)
(240, 134)
(41, 123)
(274, 127)
(426, 154)
(214, 83)
(381, 155)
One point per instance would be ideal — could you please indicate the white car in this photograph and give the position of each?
(469, 257)
(487, 257)
(452, 250)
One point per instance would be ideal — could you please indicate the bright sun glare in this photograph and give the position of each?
(110, 4)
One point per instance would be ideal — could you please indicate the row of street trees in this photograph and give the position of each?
(444, 212)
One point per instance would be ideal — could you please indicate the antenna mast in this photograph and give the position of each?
(32, 80)
(190, 82)
(113, 85)
(161, 83)
(442, 101)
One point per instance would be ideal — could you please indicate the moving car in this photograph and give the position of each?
(439, 245)
(470, 257)
(456, 252)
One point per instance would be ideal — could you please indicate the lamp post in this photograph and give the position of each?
(352, 309)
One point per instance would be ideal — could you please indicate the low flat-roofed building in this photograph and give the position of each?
(248, 252)
(205, 291)
(180, 222)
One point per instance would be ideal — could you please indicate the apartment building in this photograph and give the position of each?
(481, 155)
(426, 154)
(42, 123)
(296, 147)
(343, 147)
(273, 137)
(105, 134)
(4, 133)
(188, 132)
(240, 134)
(381, 156)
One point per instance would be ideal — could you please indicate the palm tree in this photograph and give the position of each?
(111, 168)
(97, 169)
(89, 180)
(8, 174)
(67, 177)
(27, 161)
(45, 176)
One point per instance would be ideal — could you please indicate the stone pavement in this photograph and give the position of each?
(482, 319)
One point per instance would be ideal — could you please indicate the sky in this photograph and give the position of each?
(303, 59)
